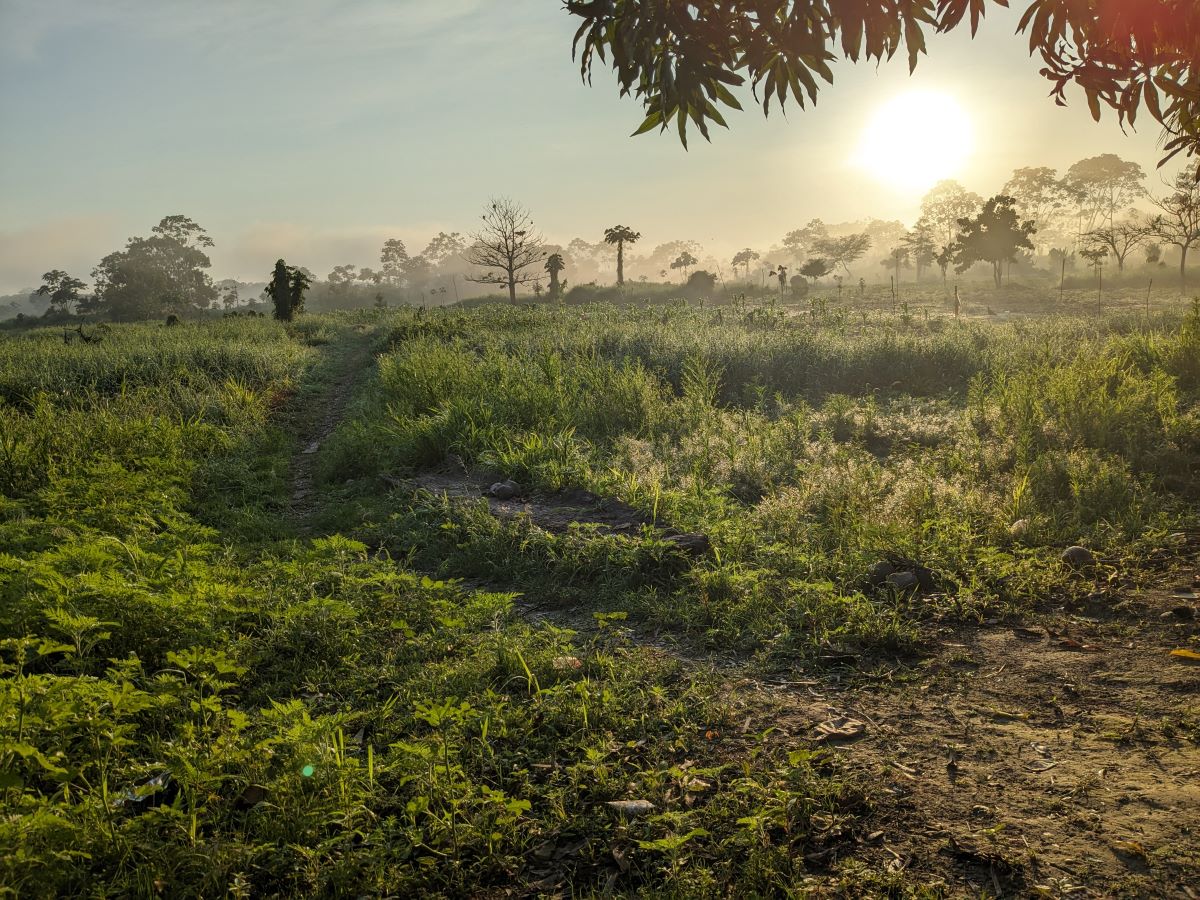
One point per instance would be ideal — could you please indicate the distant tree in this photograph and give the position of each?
(299, 281)
(920, 246)
(507, 242)
(554, 265)
(394, 260)
(61, 290)
(802, 241)
(1040, 195)
(743, 258)
(1178, 220)
(897, 259)
(442, 247)
(164, 273)
(621, 235)
(684, 261)
(780, 272)
(1103, 187)
(994, 236)
(1153, 253)
(841, 251)
(279, 292)
(341, 279)
(286, 290)
(946, 203)
(368, 275)
(229, 296)
(816, 268)
(1119, 238)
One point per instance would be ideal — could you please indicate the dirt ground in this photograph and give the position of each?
(1055, 757)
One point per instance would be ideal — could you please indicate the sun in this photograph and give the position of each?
(915, 140)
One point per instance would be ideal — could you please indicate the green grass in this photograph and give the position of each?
(196, 700)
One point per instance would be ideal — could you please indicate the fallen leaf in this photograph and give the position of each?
(1183, 653)
(565, 663)
(1041, 765)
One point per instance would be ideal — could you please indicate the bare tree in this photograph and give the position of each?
(507, 243)
(1119, 238)
(1178, 222)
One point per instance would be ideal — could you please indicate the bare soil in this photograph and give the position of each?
(1012, 761)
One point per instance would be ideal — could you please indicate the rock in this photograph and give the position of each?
(1078, 557)
(879, 572)
(1019, 528)
(505, 490)
(1183, 613)
(903, 581)
(693, 544)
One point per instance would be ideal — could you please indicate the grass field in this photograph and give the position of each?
(264, 634)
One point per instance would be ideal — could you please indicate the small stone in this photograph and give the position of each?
(1019, 528)
(879, 572)
(1078, 557)
(505, 490)
(903, 581)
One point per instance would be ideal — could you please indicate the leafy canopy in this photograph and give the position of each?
(684, 58)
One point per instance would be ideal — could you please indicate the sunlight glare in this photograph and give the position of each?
(915, 140)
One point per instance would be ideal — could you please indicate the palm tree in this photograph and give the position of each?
(621, 235)
(554, 265)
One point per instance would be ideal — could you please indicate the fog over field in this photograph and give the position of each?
(600, 448)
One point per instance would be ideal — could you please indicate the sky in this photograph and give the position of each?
(316, 129)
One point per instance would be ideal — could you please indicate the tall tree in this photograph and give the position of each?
(554, 265)
(841, 251)
(299, 281)
(1178, 219)
(394, 260)
(164, 273)
(994, 236)
(621, 235)
(62, 290)
(1041, 196)
(341, 279)
(680, 60)
(279, 292)
(442, 247)
(507, 242)
(946, 203)
(1103, 187)
(920, 246)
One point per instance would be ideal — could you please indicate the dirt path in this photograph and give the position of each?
(349, 359)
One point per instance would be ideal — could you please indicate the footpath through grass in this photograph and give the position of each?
(195, 701)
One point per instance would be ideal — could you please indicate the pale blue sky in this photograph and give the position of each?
(313, 129)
